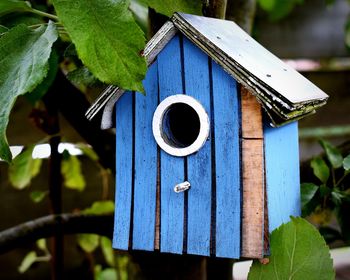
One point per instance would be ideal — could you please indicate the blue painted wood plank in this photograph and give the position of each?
(282, 173)
(227, 163)
(124, 158)
(198, 165)
(145, 169)
(172, 168)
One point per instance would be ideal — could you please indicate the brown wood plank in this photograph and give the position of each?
(251, 116)
(253, 199)
(253, 177)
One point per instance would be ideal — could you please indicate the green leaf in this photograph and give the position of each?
(310, 198)
(333, 154)
(320, 168)
(100, 208)
(338, 196)
(346, 163)
(41, 243)
(37, 196)
(72, 173)
(23, 168)
(267, 5)
(107, 38)
(44, 86)
(307, 192)
(24, 55)
(107, 250)
(10, 6)
(82, 75)
(297, 251)
(168, 7)
(106, 274)
(27, 262)
(88, 242)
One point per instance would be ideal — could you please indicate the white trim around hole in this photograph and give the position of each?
(157, 125)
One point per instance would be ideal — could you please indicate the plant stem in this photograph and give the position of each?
(43, 14)
(341, 179)
(333, 177)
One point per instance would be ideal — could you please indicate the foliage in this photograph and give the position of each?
(278, 9)
(93, 28)
(72, 173)
(168, 7)
(23, 168)
(329, 195)
(106, 36)
(297, 249)
(24, 55)
(32, 257)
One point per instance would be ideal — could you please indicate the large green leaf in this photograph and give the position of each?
(24, 55)
(320, 168)
(107, 38)
(45, 85)
(333, 154)
(168, 7)
(10, 6)
(298, 252)
(23, 168)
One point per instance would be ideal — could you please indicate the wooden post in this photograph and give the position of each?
(253, 177)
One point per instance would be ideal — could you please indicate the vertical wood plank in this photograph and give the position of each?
(282, 173)
(253, 177)
(145, 169)
(253, 199)
(124, 160)
(252, 123)
(172, 168)
(199, 165)
(227, 163)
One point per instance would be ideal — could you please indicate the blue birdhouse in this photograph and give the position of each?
(207, 162)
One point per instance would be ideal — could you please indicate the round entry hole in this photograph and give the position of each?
(180, 125)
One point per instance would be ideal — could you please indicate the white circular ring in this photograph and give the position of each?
(158, 122)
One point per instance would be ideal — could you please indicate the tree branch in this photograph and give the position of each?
(45, 227)
(216, 9)
(242, 12)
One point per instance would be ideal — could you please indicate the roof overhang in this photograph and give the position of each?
(283, 92)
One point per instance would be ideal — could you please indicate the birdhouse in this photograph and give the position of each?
(207, 163)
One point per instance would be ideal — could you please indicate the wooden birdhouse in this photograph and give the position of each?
(207, 163)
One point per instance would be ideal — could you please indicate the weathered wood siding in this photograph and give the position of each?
(209, 219)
